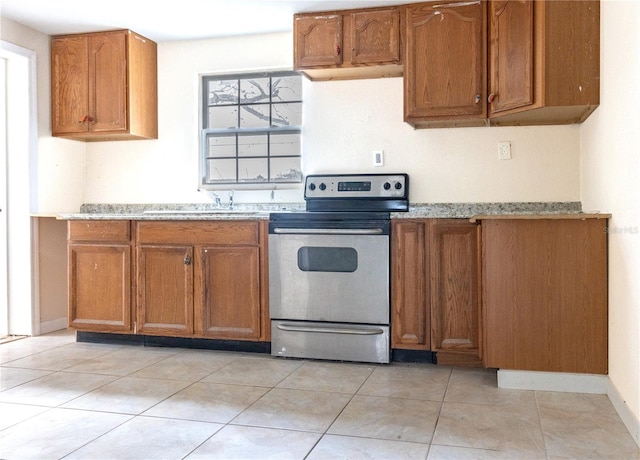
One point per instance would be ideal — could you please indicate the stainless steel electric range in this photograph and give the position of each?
(329, 267)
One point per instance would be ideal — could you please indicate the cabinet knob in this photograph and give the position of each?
(478, 99)
(187, 260)
(338, 50)
(491, 97)
(83, 120)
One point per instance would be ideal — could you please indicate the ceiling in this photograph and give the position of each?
(171, 21)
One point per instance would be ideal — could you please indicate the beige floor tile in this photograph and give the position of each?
(208, 402)
(123, 362)
(190, 365)
(482, 388)
(11, 377)
(509, 428)
(328, 376)
(294, 410)
(247, 443)
(55, 433)
(148, 438)
(55, 389)
(16, 413)
(128, 395)
(345, 447)
(575, 434)
(263, 371)
(437, 452)
(580, 402)
(420, 381)
(61, 358)
(388, 418)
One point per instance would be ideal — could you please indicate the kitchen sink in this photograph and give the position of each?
(204, 211)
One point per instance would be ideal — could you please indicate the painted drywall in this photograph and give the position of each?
(344, 121)
(610, 182)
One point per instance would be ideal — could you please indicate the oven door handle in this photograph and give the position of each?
(328, 231)
(330, 330)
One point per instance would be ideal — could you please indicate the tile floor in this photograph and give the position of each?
(62, 399)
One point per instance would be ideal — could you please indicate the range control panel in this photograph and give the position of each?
(381, 186)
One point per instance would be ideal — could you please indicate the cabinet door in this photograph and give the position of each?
(375, 36)
(511, 67)
(100, 287)
(69, 85)
(317, 40)
(545, 294)
(228, 292)
(410, 317)
(445, 61)
(108, 82)
(455, 313)
(165, 290)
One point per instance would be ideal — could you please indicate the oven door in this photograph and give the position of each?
(330, 275)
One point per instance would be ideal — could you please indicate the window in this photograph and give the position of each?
(251, 129)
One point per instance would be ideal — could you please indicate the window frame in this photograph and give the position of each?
(206, 133)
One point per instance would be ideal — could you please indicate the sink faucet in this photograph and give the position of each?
(217, 199)
(231, 199)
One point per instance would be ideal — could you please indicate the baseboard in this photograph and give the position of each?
(628, 418)
(572, 383)
(53, 325)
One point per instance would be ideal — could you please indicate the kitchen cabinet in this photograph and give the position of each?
(517, 62)
(435, 289)
(202, 279)
(444, 79)
(104, 86)
(545, 293)
(363, 43)
(99, 266)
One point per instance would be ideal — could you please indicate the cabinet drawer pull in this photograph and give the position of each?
(491, 98)
(187, 260)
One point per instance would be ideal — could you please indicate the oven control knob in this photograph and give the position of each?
(323, 186)
(398, 185)
(387, 185)
(312, 186)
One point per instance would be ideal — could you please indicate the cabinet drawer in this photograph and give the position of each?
(99, 230)
(197, 232)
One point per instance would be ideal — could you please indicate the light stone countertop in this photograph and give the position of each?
(260, 211)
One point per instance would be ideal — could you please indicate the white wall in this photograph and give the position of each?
(344, 122)
(611, 182)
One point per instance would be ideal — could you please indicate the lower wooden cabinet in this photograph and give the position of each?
(188, 278)
(545, 294)
(99, 265)
(435, 289)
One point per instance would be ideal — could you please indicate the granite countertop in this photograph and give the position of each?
(261, 211)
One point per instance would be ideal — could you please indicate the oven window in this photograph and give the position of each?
(323, 259)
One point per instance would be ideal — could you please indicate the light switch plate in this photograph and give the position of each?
(378, 158)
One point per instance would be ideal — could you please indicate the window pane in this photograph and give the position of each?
(223, 117)
(285, 144)
(253, 145)
(254, 90)
(254, 116)
(223, 92)
(285, 170)
(253, 170)
(221, 146)
(221, 171)
(286, 89)
(287, 114)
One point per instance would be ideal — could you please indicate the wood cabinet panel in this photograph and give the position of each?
(545, 294)
(375, 37)
(198, 232)
(445, 63)
(455, 291)
(410, 307)
(165, 290)
(100, 287)
(104, 86)
(318, 40)
(228, 300)
(99, 230)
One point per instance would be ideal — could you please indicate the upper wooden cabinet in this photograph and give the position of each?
(516, 62)
(104, 86)
(445, 64)
(348, 44)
